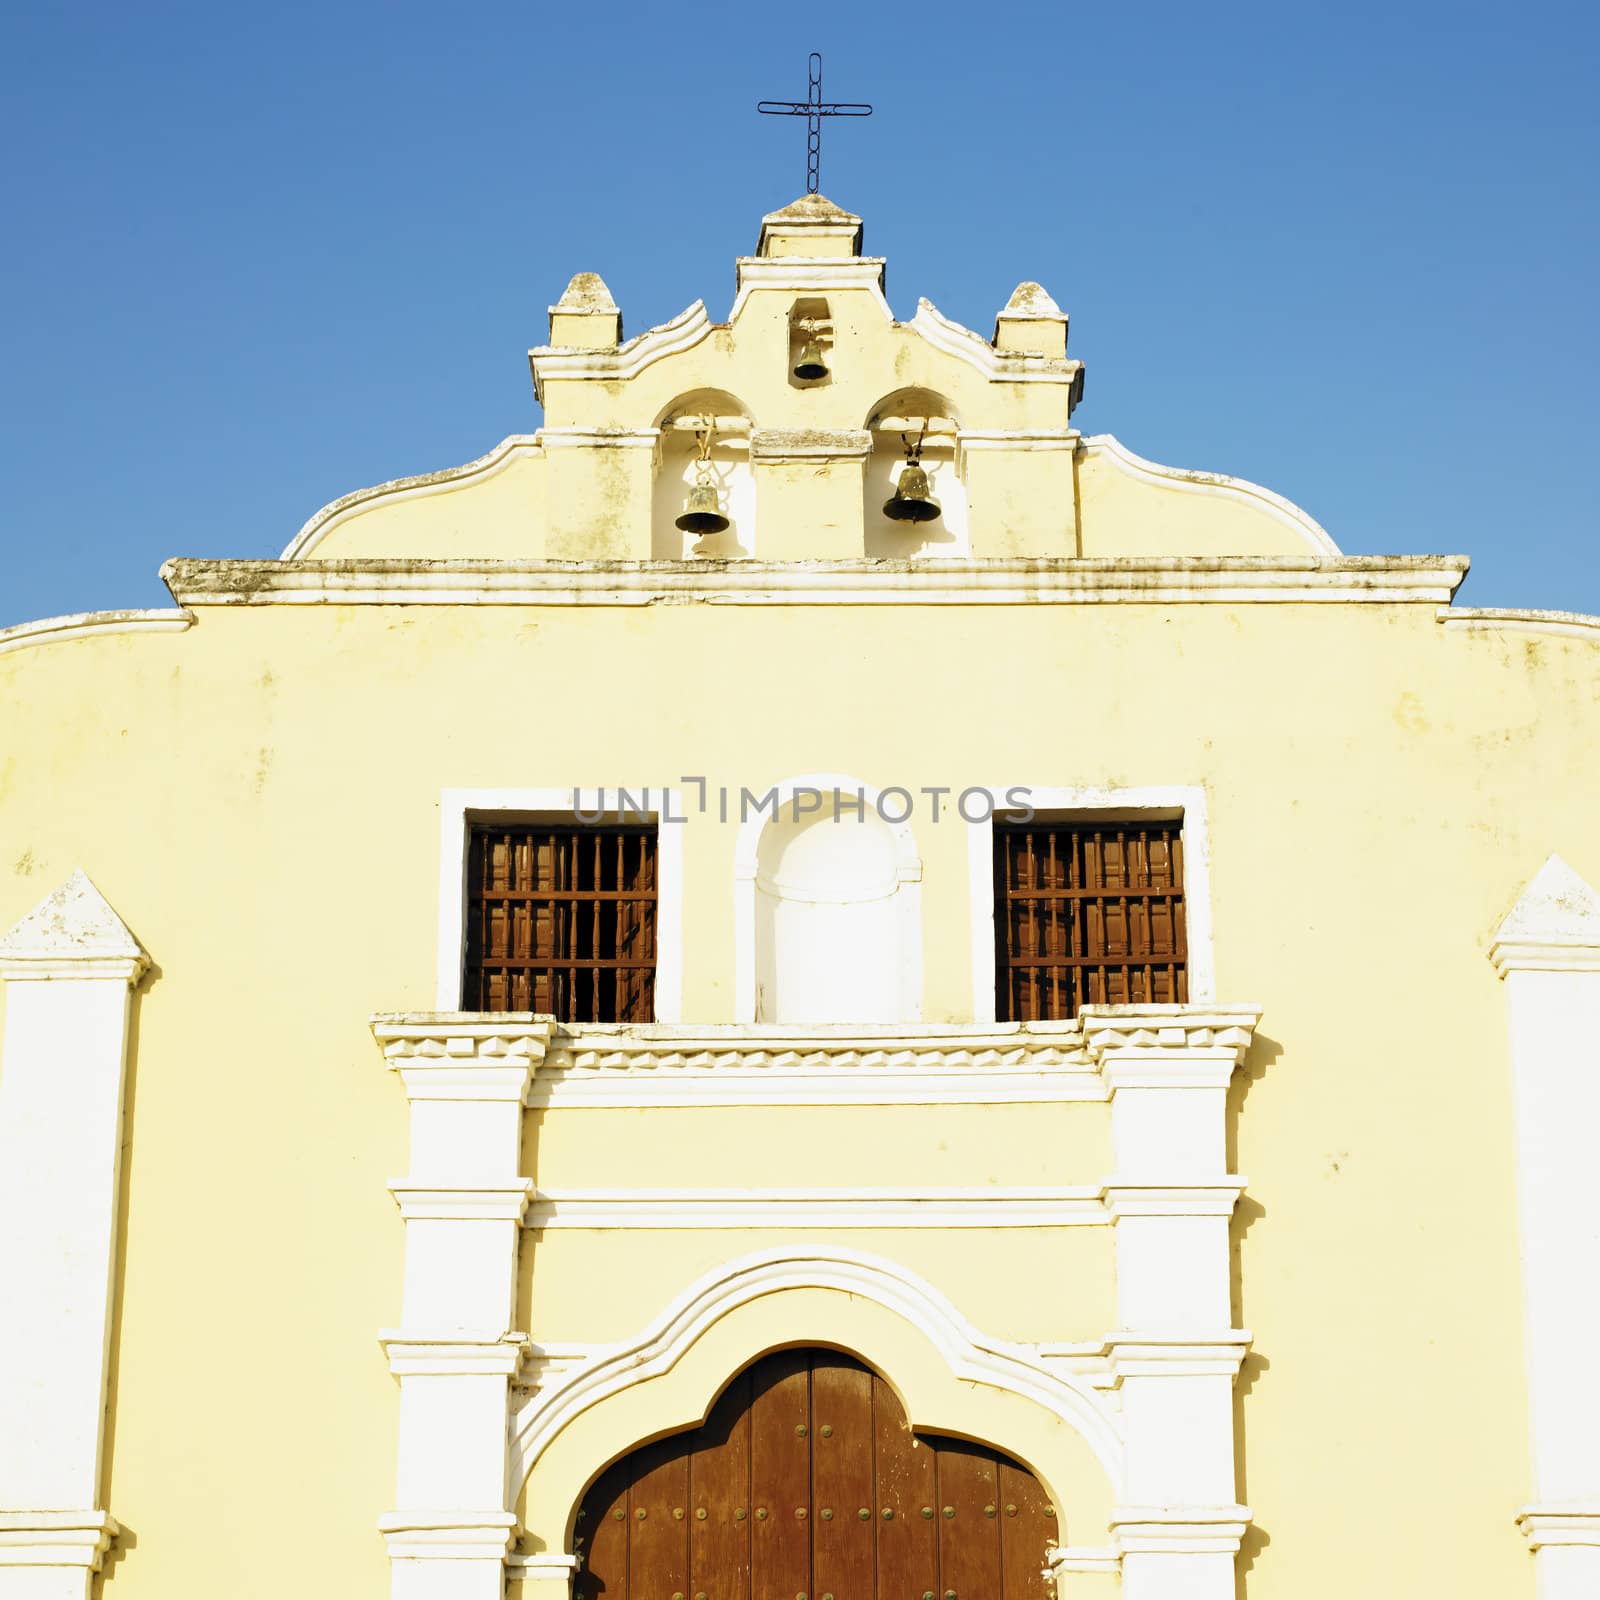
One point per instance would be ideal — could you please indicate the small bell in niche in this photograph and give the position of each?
(912, 500)
(702, 511)
(811, 364)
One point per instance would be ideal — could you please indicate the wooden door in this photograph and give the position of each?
(807, 1483)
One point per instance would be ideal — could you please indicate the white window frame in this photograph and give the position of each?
(1156, 802)
(460, 808)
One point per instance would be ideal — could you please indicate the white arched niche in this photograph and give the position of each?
(828, 913)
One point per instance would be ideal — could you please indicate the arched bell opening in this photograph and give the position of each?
(704, 443)
(914, 427)
(807, 1478)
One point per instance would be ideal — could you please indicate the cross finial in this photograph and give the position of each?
(813, 109)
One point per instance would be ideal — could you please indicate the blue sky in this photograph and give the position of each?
(259, 256)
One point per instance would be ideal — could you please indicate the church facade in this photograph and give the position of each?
(805, 985)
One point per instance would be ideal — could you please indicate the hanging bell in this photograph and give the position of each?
(811, 365)
(912, 500)
(702, 512)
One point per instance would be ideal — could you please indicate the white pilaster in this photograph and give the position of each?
(69, 967)
(1176, 1354)
(1548, 952)
(467, 1077)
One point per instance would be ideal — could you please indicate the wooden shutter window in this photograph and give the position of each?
(1087, 913)
(561, 919)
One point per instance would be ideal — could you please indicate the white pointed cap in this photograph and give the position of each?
(74, 923)
(1554, 926)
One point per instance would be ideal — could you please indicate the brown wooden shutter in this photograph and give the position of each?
(561, 919)
(1087, 913)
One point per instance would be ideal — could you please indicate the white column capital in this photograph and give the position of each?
(464, 1055)
(1125, 1197)
(1167, 1046)
(1198, 1353)
(448, 1535)
(454, 1353)
(1179, 1530)
(462, 1200)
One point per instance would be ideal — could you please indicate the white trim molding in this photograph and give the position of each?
(981, 1206)
(1317, 538)
(93, 624)
(998, 366)
(1547, 951)
(803, 445)
(1491, 619)
(1086, 802)
(70, 1544)
(458, 808)
(731, 1064)
(603, 1371)
(317, 527)
(1577, 1524)
(69, 968)
(808, 275)
(625, 361)
(993, 580)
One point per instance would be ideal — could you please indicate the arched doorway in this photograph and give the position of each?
(806, 1483)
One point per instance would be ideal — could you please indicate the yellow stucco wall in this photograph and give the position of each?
(258, 798)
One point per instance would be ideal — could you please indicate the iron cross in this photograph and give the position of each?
(813, 110)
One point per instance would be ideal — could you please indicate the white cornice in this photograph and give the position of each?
(999, 366)
(1491, 619)
(974, 1207)
(1574, 1522)
(627, 360)
(1187, 1530)
(447, 1534)
(810, 275)
(655, 1065)
(1155, 1046)
(1302, 522)
(1017, 580)
(969, 440)
(92, 624)
(599, 438)
(462, 1036)
(1082, 1558)
(541, 1564)
(1139, 1197)
(456, 1353)
(514, 447)
(1134, 1354)
(55, 1539)
(810, 444)
(446, 1199)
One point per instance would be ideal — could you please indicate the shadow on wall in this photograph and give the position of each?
(1264, 1052)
